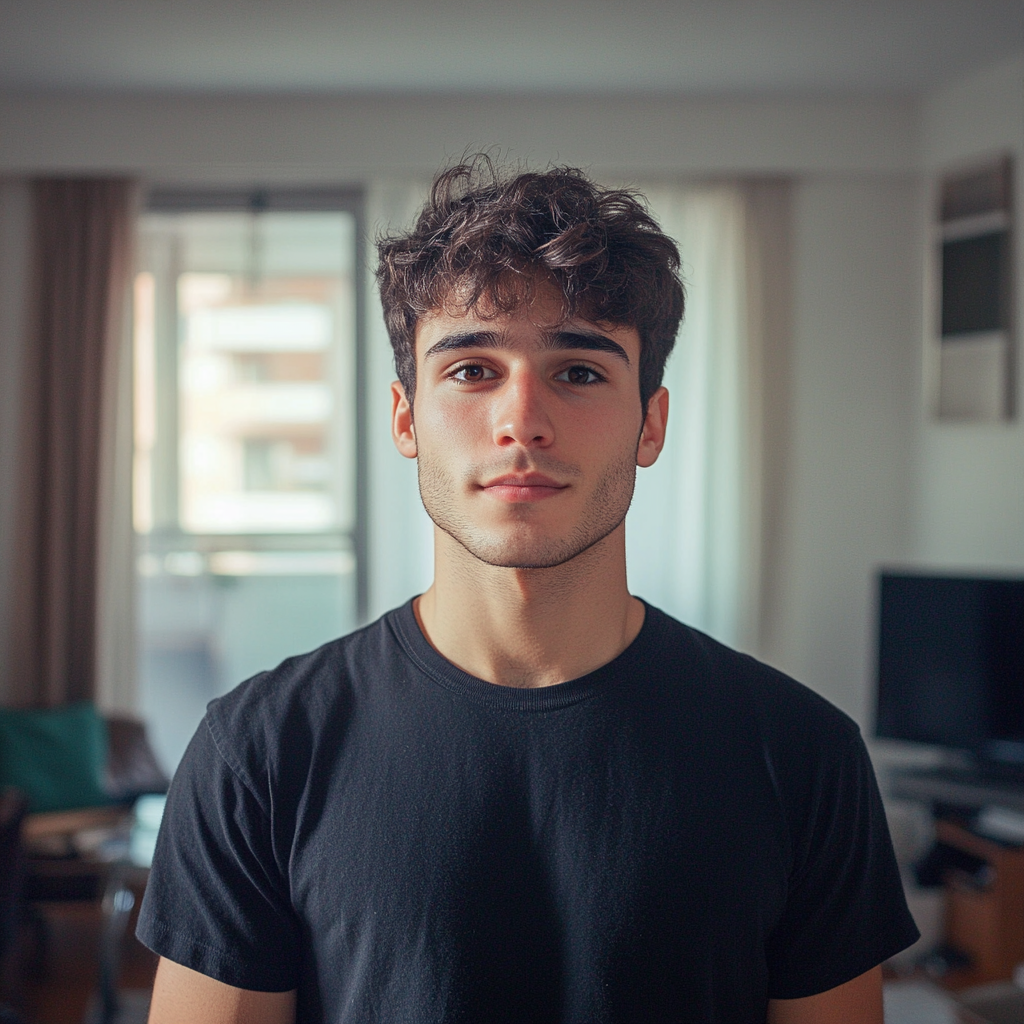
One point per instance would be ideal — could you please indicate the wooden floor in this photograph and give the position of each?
(59, 990)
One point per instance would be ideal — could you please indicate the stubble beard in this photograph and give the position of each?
(515, 544)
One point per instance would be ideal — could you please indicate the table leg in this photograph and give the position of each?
(118, 901)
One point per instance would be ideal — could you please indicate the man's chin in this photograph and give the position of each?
(525, 553)
(523, 561)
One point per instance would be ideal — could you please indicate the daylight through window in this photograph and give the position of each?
(245, 447)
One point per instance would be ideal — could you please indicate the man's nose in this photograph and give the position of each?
(522, 413)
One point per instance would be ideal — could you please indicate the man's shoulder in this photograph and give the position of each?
(316, 674)
(289, 707)
(781, 705)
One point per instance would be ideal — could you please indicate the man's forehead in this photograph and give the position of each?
(543, 320)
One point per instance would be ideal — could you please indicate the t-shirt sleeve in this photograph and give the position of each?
(845, 912)
(217, 900)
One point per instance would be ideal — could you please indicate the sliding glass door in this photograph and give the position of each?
(247, 429)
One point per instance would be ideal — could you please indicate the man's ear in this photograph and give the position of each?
(402, 430)
(652, 437)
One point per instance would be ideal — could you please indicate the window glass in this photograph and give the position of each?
(245, 433)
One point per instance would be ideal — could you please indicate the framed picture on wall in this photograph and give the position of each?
(974, 341)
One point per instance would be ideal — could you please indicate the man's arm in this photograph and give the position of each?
(857, 1002)
(183, 996)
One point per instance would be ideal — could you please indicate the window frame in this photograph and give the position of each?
(167, 534)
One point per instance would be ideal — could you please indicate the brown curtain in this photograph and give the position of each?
(81, 272)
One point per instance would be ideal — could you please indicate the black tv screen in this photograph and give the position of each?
(951, 663)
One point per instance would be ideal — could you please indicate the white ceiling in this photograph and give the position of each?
(690, 46)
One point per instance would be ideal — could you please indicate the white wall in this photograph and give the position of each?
(970, 501)
(852, 411)
(352, 139)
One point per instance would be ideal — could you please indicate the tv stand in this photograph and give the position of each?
(982, 918)
(983, 922)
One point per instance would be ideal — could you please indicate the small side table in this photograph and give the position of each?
(99, 854)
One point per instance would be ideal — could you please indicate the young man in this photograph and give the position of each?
(525, 796)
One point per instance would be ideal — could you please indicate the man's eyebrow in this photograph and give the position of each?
(590, 341)
(466, 339)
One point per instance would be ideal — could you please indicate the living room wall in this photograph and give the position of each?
(854, 374)
(969, 510)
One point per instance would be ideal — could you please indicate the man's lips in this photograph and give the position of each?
(523, 487)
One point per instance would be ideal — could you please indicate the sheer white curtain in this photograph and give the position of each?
(691, 529)
(400, 546)
(689, 532)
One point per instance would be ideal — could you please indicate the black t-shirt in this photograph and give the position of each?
(676, 837)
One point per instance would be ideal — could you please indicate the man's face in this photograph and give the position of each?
(527, 430)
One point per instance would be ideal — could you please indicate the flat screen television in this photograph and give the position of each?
(951, 664)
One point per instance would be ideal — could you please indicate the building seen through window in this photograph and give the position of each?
(245, 444)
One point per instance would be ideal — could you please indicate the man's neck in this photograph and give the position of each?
(530, 627)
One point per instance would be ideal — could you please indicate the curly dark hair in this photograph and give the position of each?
(485, 235)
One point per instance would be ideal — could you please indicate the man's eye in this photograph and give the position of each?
(473, 373)
(579, 375)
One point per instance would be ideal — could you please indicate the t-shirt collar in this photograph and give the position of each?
(543, 698)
